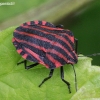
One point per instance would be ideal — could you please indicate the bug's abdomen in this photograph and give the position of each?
(42, 42)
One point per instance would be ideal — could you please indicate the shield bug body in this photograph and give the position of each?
(44, 43)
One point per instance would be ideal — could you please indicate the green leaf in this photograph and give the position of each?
(17, 83)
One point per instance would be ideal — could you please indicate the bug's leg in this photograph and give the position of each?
(50, 75)
(62, 77)
(76, 45)
(75, 78)
(31, 66)
(25, 64)
(24, 61)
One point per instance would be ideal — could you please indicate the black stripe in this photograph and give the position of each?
(49, 24)
(14, 42)
(60, 50)
(39, 22)
(22, 53)
(49, 63)
(31, 58)
(70, 42)
(25, 24)
(32, 23)
(59, 59)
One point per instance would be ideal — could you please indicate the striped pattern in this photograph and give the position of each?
(43, 42)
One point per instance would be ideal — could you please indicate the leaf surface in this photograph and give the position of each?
(17, 83)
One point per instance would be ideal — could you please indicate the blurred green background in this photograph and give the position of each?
(82, 17)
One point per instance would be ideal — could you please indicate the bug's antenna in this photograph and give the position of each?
(95, 54)
(75, 77)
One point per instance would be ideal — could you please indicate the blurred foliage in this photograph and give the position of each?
(20, 7)
(49, 10)
(85, 24)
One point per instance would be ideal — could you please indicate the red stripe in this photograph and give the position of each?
(64, 40)
(28, 23)
(13, 39)
(35, 55)
(59, 54)
(43, 22)
(57, 64)
(19, 50)
(25, 56)
(51, 28)
(70, 37)
(36, 21)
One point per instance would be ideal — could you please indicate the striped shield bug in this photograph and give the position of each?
(43, 43)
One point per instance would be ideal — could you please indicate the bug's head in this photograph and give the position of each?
(60, 26)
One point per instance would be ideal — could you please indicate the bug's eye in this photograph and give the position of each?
(60, 26)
